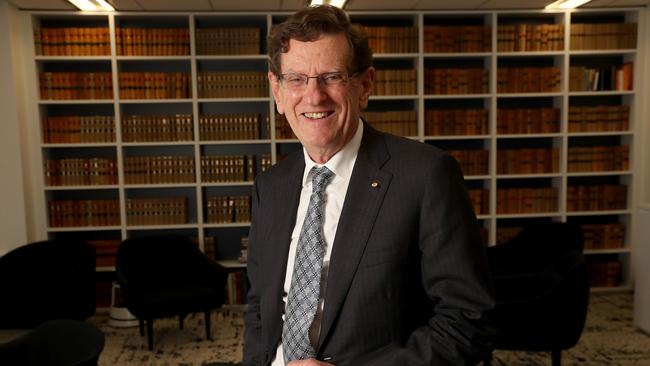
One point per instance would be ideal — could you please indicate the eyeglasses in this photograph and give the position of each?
(299, 81)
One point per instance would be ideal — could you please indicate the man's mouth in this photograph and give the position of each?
(317, 115)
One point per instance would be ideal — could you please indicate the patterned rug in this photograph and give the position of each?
(609, 339)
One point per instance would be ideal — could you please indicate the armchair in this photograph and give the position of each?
(52, 279)
(59, 342)
(541, 288)
(165, 276)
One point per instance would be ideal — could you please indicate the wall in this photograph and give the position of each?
(13, 222)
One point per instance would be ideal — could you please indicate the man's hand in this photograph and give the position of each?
(309, 362)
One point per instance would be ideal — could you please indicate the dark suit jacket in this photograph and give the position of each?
(408, 282)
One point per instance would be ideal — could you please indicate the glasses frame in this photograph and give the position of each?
(320, 79)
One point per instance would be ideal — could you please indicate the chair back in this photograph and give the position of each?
(47, 280)
(156, 259)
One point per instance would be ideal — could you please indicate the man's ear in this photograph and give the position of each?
(275, 89)
(367, 81)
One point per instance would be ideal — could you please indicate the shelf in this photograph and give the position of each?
(484, 106)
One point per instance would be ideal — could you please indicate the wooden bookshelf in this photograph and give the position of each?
(159, 122)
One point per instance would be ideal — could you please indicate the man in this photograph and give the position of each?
(375, 260)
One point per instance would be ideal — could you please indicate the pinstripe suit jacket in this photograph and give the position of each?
(408, 282)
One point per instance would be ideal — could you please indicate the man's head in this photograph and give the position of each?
(321, 75)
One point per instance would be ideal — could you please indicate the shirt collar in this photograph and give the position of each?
(342, 163)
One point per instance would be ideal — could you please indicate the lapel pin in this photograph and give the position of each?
(374, 184)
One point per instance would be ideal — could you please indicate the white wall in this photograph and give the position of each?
(13, 221)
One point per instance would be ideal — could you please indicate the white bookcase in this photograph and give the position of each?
(491, 140)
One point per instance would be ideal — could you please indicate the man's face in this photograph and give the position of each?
(323, 117)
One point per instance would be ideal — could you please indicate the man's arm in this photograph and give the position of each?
(252, 318)
(455, 278)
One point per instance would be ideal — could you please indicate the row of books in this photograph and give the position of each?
(80, 172)
(604, 273)
(392, 39)
(75, 85)
(228, 168)
(528, 161)
(596, 197)
(239, 84)
(455, 81)
(401, 123)
(175, 85)
(236, 288)
(74, 213)
(72, 41)
(154, 85)
(603, 36)
(604, 236)
(156, 211)
(89, 41)
(527, 200)
(152, 41)
(598, 158)
(466, 121)
(617, 77)
(78, 129)
(529, 79)
(282, 128)
(599, 118)
(528, 120)
(229, 209)
(596, 236)
(395, 82)
(457, 38)
(480, 199)
(105, 251)
(153, 128)
(530, 37)
(159, 169)
(228, 41)
(240, 126)
(472, 162)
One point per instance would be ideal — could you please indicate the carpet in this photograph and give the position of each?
(609, 339)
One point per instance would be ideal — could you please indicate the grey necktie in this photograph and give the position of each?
(302, 300)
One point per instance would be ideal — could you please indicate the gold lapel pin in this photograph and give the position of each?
(374, 184)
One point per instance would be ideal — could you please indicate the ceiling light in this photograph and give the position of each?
(566, 4)
(92, 5)
(337, 3)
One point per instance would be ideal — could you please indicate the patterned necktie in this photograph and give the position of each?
(302, 300)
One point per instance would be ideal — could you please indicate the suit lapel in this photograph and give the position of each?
(368, 185)
(285, 198)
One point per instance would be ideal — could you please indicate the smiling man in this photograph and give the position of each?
(364, 248)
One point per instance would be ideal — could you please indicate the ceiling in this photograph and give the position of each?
(287, 5)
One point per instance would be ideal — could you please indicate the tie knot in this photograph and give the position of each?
(321, 178)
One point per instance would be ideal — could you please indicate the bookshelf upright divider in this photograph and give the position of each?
(538, 116)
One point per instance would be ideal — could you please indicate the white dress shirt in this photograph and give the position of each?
(341, 164)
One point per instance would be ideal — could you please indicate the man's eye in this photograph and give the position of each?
(294, 79)
(332, 78)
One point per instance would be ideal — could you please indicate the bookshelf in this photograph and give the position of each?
(155, 123)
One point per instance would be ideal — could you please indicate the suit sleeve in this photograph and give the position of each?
(455, 278)
(252, 317)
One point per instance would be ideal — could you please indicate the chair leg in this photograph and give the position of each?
(150, 333)
(556, 356)
(207, 325)
(181, 320)
(141, 326)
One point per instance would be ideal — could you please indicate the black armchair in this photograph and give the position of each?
(55, 343)
(165, 276)
(52, 279)
(542, 289)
